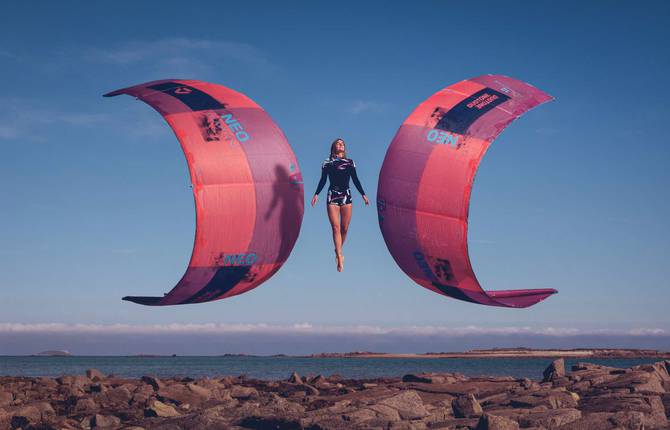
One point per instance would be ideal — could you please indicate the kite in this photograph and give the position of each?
(426, 179)
(246, 183)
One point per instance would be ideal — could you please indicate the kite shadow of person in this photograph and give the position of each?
(286, 195)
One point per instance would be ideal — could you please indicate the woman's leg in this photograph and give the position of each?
(334, 218)
(345, 213)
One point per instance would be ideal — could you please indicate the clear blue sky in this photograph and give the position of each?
(95, 198)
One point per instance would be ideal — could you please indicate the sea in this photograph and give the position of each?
(281, 367)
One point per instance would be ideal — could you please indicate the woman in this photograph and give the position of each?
(338, 168)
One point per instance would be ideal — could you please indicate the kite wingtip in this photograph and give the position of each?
(143, 300)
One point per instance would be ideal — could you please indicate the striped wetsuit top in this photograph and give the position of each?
(338, 171)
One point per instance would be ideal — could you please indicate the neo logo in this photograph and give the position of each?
(442, 137)
(235, 126)
(239, 259)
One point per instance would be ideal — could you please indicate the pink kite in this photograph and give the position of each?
(426, 180)
(246, 183)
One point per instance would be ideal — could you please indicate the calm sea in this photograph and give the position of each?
(281, 367)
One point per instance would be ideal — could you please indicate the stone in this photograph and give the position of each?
(6, 398)
(85, 405)
(295, 378)
(554, 371)
(494, 422)
(551, 419)
(408, 404)
(466, 406)
(156, 383)
(95, 375)
(105, 421)
(159, 409)
(178, 393)
(24, 416)
(240, 392)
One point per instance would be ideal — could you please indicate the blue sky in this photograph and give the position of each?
(95, 192)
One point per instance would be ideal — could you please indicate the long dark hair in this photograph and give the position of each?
(333, 152)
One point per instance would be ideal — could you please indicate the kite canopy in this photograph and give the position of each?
(246, 183)
(424, 187)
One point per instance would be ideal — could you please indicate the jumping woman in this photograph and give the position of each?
(338, 169)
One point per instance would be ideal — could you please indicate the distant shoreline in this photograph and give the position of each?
(481, 353)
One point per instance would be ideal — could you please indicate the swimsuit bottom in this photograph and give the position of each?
(339, 198)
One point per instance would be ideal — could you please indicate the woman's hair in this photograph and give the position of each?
(332, 147)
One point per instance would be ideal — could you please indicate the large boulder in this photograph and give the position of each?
(159, 409)
(466, 406)
(551, 419)
(105, 421)
(95, 375)
(408, 404)
(494, 422)
(554, 371)
(6, 398)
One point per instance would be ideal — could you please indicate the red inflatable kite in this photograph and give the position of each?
(246, 183)
(426, 180)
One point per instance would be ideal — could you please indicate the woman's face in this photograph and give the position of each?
(339, 146)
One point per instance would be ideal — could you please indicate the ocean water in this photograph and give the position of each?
(281, 367)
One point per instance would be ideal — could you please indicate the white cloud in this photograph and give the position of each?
(362, 106)
(181, 57)
(306, 328)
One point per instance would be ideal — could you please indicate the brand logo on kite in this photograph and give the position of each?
(442, 137)
(182, 90)
(439, 272)
(235, 126)
(248, 259)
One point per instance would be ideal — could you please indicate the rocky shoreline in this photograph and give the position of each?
(588, 397)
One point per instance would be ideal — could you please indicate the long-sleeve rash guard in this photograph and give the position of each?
(338, 171)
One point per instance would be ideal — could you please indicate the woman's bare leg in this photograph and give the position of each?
(334, 218)
(345, 213)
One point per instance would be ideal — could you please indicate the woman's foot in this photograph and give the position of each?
(340, 262)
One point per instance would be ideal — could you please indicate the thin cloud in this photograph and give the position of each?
(181, 56)
(307, 328)
(28, 119)
(364, 106)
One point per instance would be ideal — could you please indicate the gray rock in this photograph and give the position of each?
(493, 422)
(105, 421)
(95, 375)
(466, 406)
(159, 409)
(554, 371)
(6, 398)
(156, 383)
(551, 419)
(408, 404)
(240, 392)
(295, 378)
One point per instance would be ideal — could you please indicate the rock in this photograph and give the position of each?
(466, 406)
(551, 419)
(105, 421)
(555, 370)
(25, 415)
(178, 393)
(6, 398)
(493, 422)
(408, 404)
(78, 381)
(295, 378)
(240, 392)
(156, 383)
(203, 392)
(85, 405)
(116, 396)
(160, 409)
(95, 375)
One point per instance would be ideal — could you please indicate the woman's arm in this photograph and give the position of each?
(354, 177)
(322, 181)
